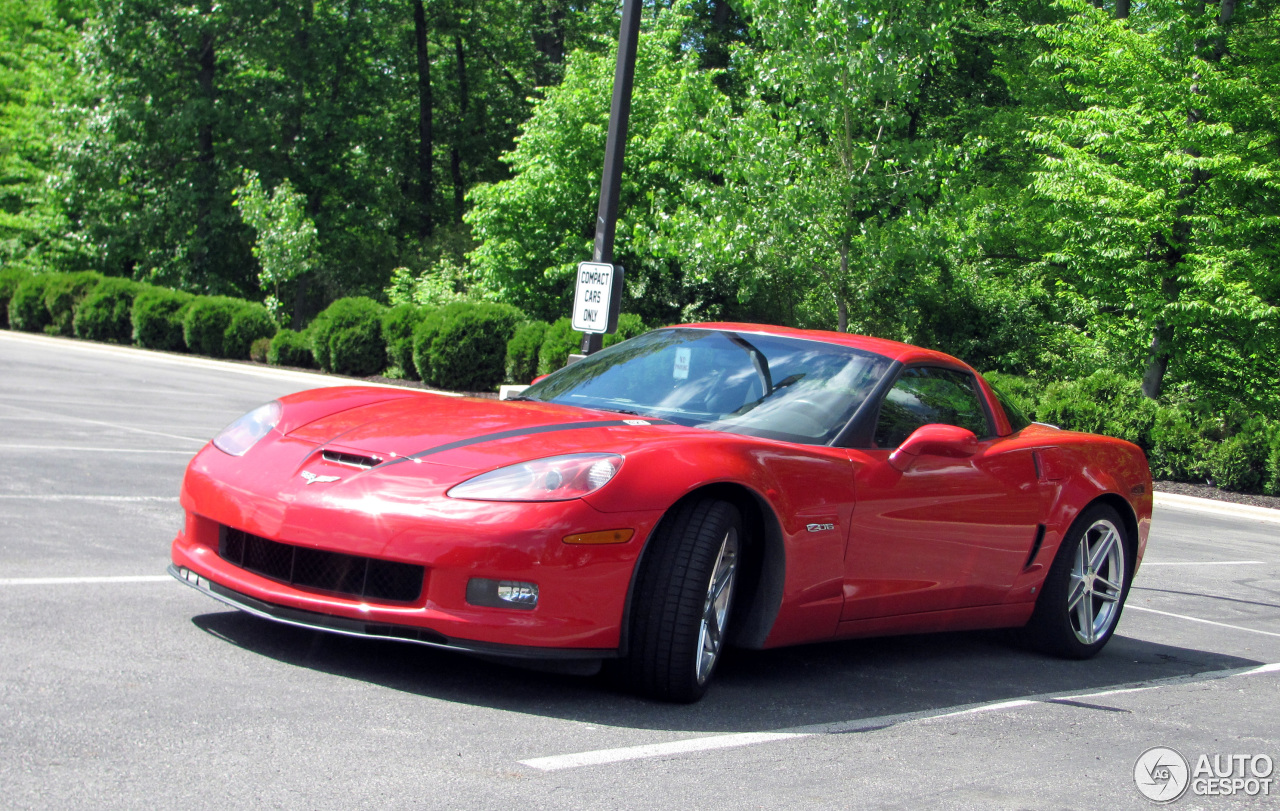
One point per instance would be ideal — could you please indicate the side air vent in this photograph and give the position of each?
(351, 459)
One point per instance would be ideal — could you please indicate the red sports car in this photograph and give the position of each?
(694, 487)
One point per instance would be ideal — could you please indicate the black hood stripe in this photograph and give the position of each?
(515, 432)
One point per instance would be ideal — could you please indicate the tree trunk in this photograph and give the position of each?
(206, 180)
(842, 303)
(548, 39)
(425, 184)
(463, 132)
(1157, 362)
(1122, 9)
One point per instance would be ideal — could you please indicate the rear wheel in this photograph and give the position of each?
(1085, 589)
(683, 601)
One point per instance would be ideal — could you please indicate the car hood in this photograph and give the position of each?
(473, 433)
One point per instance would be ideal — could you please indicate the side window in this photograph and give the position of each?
(929, 394)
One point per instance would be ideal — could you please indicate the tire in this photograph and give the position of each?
(683, 601)
(1085, 590)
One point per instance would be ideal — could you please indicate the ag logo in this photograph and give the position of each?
(1161, 774)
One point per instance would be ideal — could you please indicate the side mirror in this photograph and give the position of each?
(934, 439)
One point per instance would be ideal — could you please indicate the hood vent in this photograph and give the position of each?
(351, 459)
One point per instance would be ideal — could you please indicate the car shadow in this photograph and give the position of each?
(754, 690)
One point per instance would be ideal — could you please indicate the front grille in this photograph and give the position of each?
(348, 575)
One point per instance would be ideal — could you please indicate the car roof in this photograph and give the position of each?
(894, 350)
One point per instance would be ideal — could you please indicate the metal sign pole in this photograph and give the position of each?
(615, 148)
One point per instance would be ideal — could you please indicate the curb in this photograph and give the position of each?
(1174, 501)
(315, 379)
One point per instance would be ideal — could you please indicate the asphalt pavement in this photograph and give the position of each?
(121, 688)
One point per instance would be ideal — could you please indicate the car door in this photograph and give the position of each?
(956, 526)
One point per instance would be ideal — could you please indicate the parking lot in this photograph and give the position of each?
(121, 688)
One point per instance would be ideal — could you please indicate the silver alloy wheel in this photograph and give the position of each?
(1097, 580)
(715, 610)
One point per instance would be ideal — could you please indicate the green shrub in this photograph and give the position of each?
(359, 313)
(62, 298)
(1179, 448)
(1272, 485)
(522, 351)
(560, 342)
(398, 324)
(158, 315)
(463, 346)
(106, 313)
(250, 322)
(1102, 403)
(1022, 392)
(289, 348)
(629, 326)
(1238, 462)
(26, 308)
(358, 351)
(259, 350)
(204, 327)
(10, 278)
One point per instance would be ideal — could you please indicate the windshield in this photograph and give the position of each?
(760, 385)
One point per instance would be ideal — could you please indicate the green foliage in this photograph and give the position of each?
(106, 313)
(286, 245)
(1272, 486)
(1103, 402)
(158, 318)
(250, 322)
(1023, 392)
(204, 326)
(62, 297)
(1239, 462)
(26, 307)
(522, 351)
(260, 349)
(361, 316)
(629, 326)
(10, 278)
(1179, 447)
(462, 346)
(398, 324)
(559, 342)
(291, 348)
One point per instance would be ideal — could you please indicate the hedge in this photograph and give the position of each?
(1183, 442)
(354, 326)
(157, 318)
(463, 345)
(398, 324)
(560, 342)
(224, 327)
(522, 351)
(26, 307)
(629, 326)
(290, 348)
(106, 313)
(10, 278)
(62, 297)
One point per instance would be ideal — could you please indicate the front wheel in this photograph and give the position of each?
(683, 601)
(1085, 589)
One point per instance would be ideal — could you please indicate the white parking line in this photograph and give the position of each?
(688, 745)
(68, 581)
(80, 497)
(1147, 563)
(1177, 503)
(114, 425)
(1197, 619)
(84, 449)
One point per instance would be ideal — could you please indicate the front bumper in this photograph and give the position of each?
(374, 630)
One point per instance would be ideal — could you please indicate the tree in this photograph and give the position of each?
(286, 244)
(1162, 174)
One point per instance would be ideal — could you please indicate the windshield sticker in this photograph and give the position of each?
(637, 422)
(681, 371)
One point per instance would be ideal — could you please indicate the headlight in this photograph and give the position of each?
(556, 478)
(244, 433)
